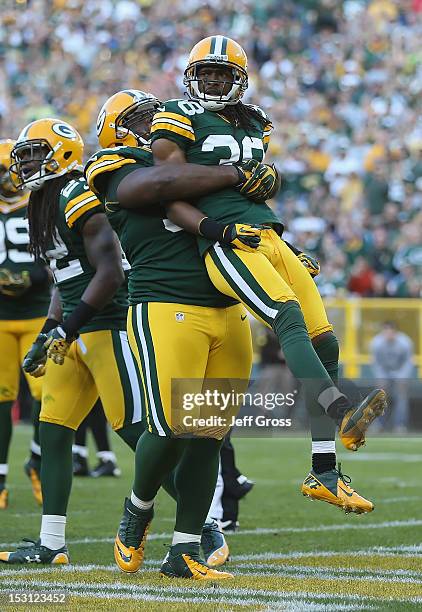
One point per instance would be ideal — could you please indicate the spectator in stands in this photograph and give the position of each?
(341, 81)
(392, 363)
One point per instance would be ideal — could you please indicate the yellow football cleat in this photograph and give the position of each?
(184, 561)
(4, 499)
(130, 541)
(333, 488)
(214, 545)
(356, 421)
(33, 474)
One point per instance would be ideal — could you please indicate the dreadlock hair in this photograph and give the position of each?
(42, 209)
(243, 116)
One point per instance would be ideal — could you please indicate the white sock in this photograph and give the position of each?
(185, 538)
(323, 446)
(4, 469)
(139, 503)
(106, 456)
(80, 450)
(216, 509)
(53, 527)
(35, 448)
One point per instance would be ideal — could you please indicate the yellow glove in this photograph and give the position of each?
(14, 284)
(310, 263)
(258, 182)
(243, 236)
(57, 344)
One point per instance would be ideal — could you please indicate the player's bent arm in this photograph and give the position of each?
(238, 235)
(146, 186)
(104, 254)
(185, 215)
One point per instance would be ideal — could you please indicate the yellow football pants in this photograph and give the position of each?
(264, 279)
(16, 338)
(183, 351)
(107, 370)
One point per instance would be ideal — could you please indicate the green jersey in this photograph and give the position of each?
(69, 262)
(165, 263)
(207, 138)
(14, 256)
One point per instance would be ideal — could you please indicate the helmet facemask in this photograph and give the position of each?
(136, 121)
(33, 163)
(197, 85)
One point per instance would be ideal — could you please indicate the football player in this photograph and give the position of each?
(24, 299)
(214, 127)
(180, 329)
(84, 336)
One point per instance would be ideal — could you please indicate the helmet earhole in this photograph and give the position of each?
(67, 154)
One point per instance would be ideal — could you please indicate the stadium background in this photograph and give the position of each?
(342, 81)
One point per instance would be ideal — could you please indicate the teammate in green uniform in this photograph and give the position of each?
(24, 299)
(179, 327)
(84, 335)
(214, 127)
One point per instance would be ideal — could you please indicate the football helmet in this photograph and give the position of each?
(221, 51)
(120, 118)
(8, 192)
(44, 150)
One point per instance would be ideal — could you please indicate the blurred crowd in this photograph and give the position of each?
(342, 81)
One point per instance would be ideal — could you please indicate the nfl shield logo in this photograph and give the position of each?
(180, 316)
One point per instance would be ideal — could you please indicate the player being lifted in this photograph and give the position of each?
(68, 228)
(214, 127)
(24, 300)
(180, 328)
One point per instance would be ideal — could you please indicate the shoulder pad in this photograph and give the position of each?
(108, 160)
(80, 200)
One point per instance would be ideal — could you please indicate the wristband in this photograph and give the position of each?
(242, 176)
(211, 229)
(49, 324)
(82, 314)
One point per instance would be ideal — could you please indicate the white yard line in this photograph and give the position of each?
(375, 457)
(264, 531)
(328, 573)
(211, 594)
(296, 604)
(252, 569)
(382, 551)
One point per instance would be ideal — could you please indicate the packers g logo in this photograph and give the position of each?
(64, 130)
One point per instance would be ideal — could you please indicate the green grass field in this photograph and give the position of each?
(289, 554)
